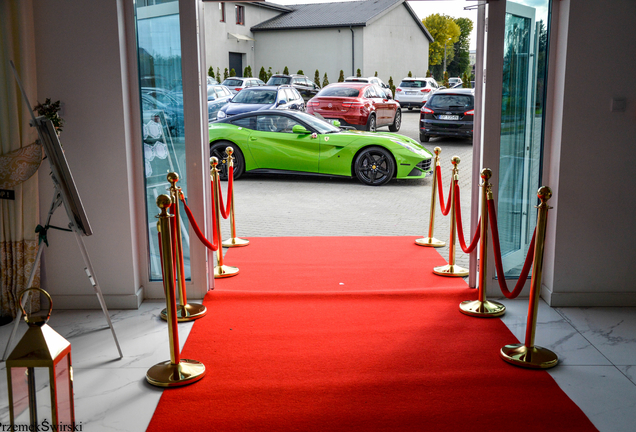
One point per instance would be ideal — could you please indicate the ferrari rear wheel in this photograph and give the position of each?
(218, 150)
(374, 166)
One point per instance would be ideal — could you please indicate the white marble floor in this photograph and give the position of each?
(596, 347)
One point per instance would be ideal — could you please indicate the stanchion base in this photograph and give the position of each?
(189, 312)
(225, 271)
(450, 270)
(485, 309)
(235, 242)
(166, 374)
(430, 242)
(529, 357)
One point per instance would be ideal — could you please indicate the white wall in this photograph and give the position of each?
(80, 61)
(591, 249)
(394, 45)
(217, 43)
(328, 50)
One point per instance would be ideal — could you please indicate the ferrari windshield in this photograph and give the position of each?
(321, 126)
(255, 96)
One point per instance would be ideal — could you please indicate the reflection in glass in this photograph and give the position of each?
(522, 120)
(159, 52)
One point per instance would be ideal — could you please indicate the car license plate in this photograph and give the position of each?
(411, 93)
(448, 117)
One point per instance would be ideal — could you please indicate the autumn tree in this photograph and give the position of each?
(445, 32)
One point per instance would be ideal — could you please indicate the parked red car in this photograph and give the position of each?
(363, 106)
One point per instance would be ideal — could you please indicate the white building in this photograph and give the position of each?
(327, 37)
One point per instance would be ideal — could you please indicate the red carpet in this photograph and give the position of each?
(288, 348)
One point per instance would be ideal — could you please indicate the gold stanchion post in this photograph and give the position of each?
(233, 241)
(451, 269)
(431, 241)
(176, 371)
(185, 311)
(529, 355)
(482, 307)
(220, 270)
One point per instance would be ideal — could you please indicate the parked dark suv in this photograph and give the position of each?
(305, 86)
(448, 113)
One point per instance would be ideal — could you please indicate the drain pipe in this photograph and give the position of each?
(353, 57)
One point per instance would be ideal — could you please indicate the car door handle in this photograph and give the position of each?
(253, 138)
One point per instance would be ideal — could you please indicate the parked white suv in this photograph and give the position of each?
(414, 92)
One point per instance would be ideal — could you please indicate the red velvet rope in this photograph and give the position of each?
(193, 223)
(225, 212)
(498, 264)
(460, 228)
(446, 209)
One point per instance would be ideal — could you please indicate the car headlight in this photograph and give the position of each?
(221, 115)
(412, 148)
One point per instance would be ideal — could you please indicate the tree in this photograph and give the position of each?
(317, 78)
(218, 74)
(226, 74)
(300, 72)
(376, 74)
(249, 71)
(410, 75)
(460, 63)
(428, 73)
(391, 85)
(358, 74)
(466, 80)
(445, 82)
(341, 77)
(246, 72)
(325, 80)
(211, 72)
(445, 32)
(269, 73)
(262, 75)
(286, 71)
(232, 72)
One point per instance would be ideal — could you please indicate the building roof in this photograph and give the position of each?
(337, 14)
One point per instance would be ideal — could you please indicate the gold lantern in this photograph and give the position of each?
(40, 376)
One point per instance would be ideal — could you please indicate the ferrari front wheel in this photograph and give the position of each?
(218, 150)
(374, 166)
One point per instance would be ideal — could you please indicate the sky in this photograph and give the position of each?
(452, 8)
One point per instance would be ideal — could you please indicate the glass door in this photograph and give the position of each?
(514, 119)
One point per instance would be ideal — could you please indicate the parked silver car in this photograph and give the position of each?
(236, 84)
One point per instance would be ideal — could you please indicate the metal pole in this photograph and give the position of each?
(529, 355)
(430, 241)
(451, 269)
(233, 241)
(221, 270)
(482, 307)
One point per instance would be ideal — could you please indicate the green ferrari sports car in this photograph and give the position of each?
(282, 141)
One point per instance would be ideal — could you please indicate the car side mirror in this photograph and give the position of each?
(281, 102)
(336, 123)
(300, 129)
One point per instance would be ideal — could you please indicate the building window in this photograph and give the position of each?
(222, 9)
(240, 14)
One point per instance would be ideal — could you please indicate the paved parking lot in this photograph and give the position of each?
(273, 205)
